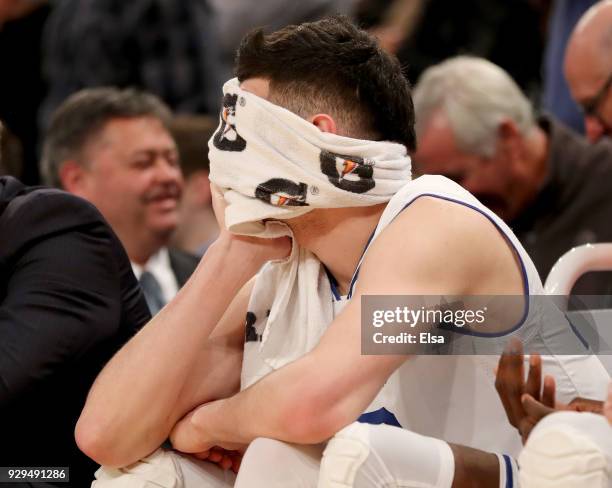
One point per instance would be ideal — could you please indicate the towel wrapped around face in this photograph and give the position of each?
(271, 164)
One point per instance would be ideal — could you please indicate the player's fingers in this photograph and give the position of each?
(236, 461)
(535, 410)
(534, 377)
(526, 426)
(226, 463)
(215, 456)
(608, 405)
(548, 392)
(586, 405)
(509, 381)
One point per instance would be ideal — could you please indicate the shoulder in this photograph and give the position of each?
(436, 246)
(39, 214)
(575, 152)
(435, 223)
(438, 222)
(51, 209)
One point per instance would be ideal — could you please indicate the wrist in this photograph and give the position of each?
(253, 252)
(208, 420)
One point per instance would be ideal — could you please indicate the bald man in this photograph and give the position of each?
(588, 68)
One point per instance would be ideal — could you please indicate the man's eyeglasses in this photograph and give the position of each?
(591, 107)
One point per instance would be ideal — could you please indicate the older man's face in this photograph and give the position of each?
(589, 76)
(133, 177)
(490, 179)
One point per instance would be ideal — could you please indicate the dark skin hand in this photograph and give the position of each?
(526, 402)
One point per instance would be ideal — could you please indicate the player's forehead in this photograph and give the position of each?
(257, 86)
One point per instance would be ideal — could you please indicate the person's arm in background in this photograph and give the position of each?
(176, 361)
(454, 250)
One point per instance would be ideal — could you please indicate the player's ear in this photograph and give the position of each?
(324, 122)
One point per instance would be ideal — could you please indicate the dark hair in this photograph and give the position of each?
(84, 114)
(191, 133)
(332, 66)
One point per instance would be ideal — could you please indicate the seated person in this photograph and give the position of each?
(549, 184)
(114, 148)
(312, 144)
(68, 301)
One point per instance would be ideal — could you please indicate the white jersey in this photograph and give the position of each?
(453, 397)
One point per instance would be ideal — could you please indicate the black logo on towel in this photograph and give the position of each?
(250, 333)
(227, 137)
(281, 192)
(349, 173)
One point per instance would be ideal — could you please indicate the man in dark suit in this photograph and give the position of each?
(113, 147)
(68, 301)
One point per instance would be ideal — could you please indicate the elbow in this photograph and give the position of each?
(93, 440)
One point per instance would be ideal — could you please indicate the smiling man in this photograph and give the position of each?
(113, 148)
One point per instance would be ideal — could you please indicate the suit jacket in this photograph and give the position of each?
(182, 264)
(572, 208)
(68, 301)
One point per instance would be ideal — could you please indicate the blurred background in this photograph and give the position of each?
(182, 50)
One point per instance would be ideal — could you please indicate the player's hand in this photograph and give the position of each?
(526, 402)
(580, 404)
(225, 459)
(261, 250)
(193, 434)
(607, 409)
(187, 437)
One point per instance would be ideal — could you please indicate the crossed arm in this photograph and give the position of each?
(177, 368)
(188, 354)
(455, 252)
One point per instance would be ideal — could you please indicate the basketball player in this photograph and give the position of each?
(325, 95)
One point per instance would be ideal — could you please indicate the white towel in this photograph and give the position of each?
(272, 164)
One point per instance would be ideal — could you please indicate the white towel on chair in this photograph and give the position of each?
(272, 164)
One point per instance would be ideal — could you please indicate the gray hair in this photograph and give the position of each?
(476, 96)
(83, 115)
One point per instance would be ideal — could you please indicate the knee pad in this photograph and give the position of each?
(365, 455)
(269, 463)
(568, 449)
